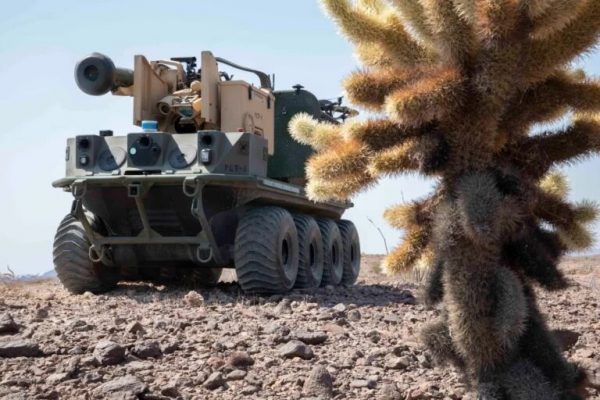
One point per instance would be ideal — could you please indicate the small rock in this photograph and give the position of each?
(400, 350)
(126, 387)
(92, 377)
(269, 362)
(8, 326)
(310, 337)
(109, 353)
(215, 362)
(339, 308)
(585, 353)
(236, 375)
(170, 347)
(194, 299)
(19, 348)
(135, 366)
(71, 368)
(417, 394)
(389, 392)
(240, 359)
(399, 363)
(347, 363)
(295, 348)
(90, 362)
(149, 349)
(170, 391)
(14, 396)
(160, 325)
(391, 319)
(325, 316)
(75, 351)
(354, 315)
(248, 390)
(272, 328)
(319, 383)
(363, 383)
(134, 327)
(374, 336)
(283, 307)
(424, 361)
(214, 381)
(40, 314)
(211, 325)
(79, 326)
(57, 378)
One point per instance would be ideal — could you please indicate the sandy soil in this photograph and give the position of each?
(152, 342)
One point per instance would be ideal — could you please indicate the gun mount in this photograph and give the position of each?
(179, 97)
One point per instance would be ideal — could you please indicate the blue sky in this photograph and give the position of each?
(41, 106)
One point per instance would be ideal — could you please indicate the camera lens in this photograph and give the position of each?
(145, 141)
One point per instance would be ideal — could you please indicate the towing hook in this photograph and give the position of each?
(191, 184)
(78, 189)
(203, 254)
(95, 255)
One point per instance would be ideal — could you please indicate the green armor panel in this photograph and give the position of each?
(290, 156)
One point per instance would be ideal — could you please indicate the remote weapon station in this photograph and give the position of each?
(212, 180)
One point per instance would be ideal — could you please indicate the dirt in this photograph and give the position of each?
(153, 342)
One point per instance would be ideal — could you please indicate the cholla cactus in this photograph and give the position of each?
(461, 83)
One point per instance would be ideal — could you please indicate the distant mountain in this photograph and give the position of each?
(49, 274)
(46, 275)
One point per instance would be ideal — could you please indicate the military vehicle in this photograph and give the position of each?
(213, 180)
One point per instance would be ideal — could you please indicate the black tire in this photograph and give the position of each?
(266, 251)
(310, 262)
(204, 276)
(75, 270)
(333, 267)
(350, 251)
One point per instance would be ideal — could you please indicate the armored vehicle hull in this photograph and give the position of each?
(181, 216)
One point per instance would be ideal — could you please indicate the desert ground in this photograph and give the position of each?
(146, 341)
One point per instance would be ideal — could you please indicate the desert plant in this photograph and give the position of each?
(9, 276)
(459, 84)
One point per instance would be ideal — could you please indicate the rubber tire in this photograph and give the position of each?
(310, 264)
(75, 270)
(333, 267)
(204, 276)
(260, 253)
(350, 252)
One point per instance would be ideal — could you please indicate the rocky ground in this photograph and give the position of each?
(151, 342)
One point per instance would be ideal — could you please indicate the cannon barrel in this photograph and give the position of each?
(97, 75)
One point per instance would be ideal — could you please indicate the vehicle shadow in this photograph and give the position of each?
(360, 294)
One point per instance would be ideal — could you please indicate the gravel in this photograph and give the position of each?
(156, 342)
